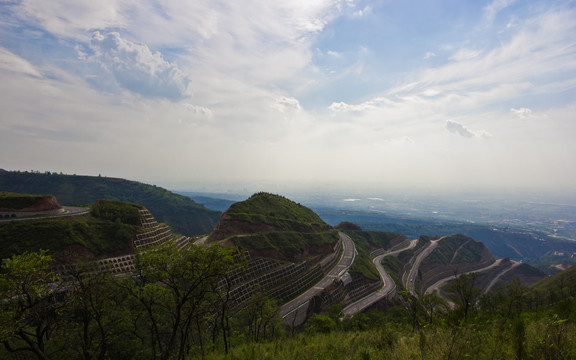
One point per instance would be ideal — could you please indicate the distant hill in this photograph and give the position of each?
(180, 212)
(211, 202)
(516, 244)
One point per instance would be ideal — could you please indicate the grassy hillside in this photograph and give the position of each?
(108, 230)
(180, 212)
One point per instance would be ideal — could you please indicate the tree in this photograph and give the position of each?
(413, 307)
(464, 293)
(321, 324)
(174, 290)
(97, 315)
(32, 300)
(259, 318)
(433, 305)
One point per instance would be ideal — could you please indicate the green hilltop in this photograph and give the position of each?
(272, 223)
(277, 211)
(265, 212)
(180, 212)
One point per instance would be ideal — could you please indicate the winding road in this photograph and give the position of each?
(441, 282)
(497, 277)
(411, 278)
(388, 284)
(290, 310)
(67, 211)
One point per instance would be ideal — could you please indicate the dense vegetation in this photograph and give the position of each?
(180, 212)
(176, 306)
(108, 230)
(11, 200)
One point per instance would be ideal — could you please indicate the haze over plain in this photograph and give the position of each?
(440, 94)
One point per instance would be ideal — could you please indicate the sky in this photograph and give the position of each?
(386, 94)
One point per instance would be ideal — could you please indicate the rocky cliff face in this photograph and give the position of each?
(45, 204)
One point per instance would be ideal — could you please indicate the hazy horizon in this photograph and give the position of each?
(446, 96)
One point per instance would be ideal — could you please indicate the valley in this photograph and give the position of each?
(268, 258)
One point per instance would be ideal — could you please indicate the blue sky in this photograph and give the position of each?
(386, 94)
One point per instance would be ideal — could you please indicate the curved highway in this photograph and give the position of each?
(388, 284)
(67, 211)
(497, 277)
(290, 310)
(441, 282)
(411, 278)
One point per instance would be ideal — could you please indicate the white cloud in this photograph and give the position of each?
(362, 12)
(366, 106)
(522, 113)
(491, 10)
(458, 128)
(136, 68)
(287, 105)
(429, 55)
(465, 54)
(12, 62)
